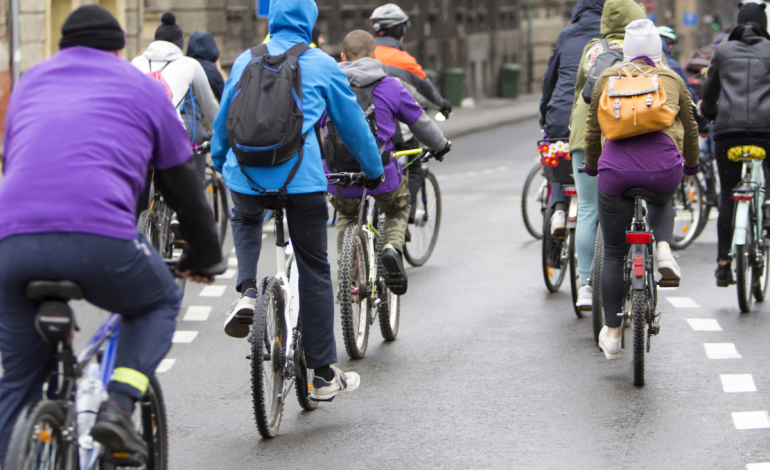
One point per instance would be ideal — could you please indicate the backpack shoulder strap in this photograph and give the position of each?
(762, 59)
(259, 51)
(162, 68)
(605, 45)
(297, 50)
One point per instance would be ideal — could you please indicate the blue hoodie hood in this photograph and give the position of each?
(583, 6)
(292, 20)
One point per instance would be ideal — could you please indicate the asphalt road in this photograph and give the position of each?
(489, 370)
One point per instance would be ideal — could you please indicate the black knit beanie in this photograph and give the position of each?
(752, 13)
(169, 30)
(92, 26)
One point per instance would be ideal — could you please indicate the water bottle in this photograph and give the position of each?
(89, 396)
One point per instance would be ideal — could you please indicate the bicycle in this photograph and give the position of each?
(216, 194)
(46, 434)
(689, 210)
(597, 307)
(427, 215)
(534, 200)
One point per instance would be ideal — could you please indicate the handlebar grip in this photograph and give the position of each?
(581, 170)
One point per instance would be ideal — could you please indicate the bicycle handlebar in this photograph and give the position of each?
(346, 180)
(407, 153)
(203, 148)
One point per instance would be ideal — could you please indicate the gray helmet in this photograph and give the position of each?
(388, 16)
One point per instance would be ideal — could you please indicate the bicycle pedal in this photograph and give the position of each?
(124, 459)
(668, 283)
(586, 308)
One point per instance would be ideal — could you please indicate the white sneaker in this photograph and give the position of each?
(585, 298)
(667, 266)
(342, 382)
(241, 308)
(610, 346)
(558, 223)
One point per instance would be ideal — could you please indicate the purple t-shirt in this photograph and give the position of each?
(82, 129)
(391, 102)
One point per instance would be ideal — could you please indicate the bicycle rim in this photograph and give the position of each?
(353, 295)
(533, 196)
(427, 220)
(37, 442)
(150, 421)
(688, 210)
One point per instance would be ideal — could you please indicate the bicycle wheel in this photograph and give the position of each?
(353, 295)
(761, 272)
(268, 337)
(640, 314)
(688, 210)
(303, 384)
(743, 263)
(216, 195)
(597, 308)
(573, 273)
(151, 424)
(148, 226)
(427, 220)
(37, 441)
(533, 199)
(389, 311)
(555, 257)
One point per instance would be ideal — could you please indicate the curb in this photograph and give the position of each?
(451, 135)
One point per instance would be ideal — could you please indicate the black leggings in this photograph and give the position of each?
(729, 177)
(615, 215)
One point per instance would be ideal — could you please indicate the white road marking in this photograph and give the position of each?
(213, 291)
(682, 302)
(758, 466)
(751, 420)
(704, 324)
(488, 171)
(165, 365)
(732, 383)
(472, 174)
(264, 235)
(233, 250)
(721, 351)
(229, 274)
(502, 168)
(184, 336)
(197, 313)
(232, 261)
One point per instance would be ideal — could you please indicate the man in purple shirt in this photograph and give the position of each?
(392, 102)
(82, 130)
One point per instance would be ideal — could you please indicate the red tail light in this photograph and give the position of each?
(570, 192)
(743, 196)
(638, 267)
(639, 238)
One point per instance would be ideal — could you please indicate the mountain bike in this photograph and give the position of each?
(534, 200)
(216, 194)
(47, 435)
(423, 233)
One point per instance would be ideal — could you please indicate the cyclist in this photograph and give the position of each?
(653, 161)
(616, 15)
(67, 212)
(558, 94)
(202, 47)
(324, 86)
(735, 97)
(668, 40)
(392, 104)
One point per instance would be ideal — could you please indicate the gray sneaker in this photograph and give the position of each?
(342, 382)
(241, 313)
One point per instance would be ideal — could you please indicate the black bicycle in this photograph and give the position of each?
(216, 194)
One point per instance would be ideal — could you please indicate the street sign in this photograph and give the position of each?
(263, 8)
(690, 18)
(650, 5)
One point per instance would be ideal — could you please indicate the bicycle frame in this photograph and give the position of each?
(749, 194)
(366, 222)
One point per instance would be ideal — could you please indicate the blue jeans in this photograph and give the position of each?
(588, 216)
(121, 276)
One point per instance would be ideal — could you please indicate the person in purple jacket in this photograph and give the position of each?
(392, 102)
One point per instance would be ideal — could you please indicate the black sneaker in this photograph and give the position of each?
(395, 278)
(766, 218)
(115, 430)
(724, 274)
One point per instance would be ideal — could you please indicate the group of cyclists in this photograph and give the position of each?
(87, 113)
(611, 42)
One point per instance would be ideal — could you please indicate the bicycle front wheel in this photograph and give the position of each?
(268, 340)
(597, 308)
(216, 195)
(534, 196)
(353, 294)
(688, 209)
(640, 313)
(427, 220)
(389, 311)
(150, 421)
(743, 268)
(304, 380)
(555, 257)
(573, 273)
(761, 272)
(37, 441)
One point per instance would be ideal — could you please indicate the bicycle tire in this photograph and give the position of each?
(525, 198)
(149, 226)
(38, 423)
(354, 302)
(303, 383)
(640, 313)
(690, 197)
(743, 274)
(389, 311)
(762, 273)
(550, 246)
(430, 199)
(573, 273)
(267, 358)
(153, 425)
(216, 196)
(597, 308)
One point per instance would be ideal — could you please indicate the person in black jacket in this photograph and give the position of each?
(736, 97)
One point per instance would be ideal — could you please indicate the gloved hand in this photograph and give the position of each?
(439, 155)
(446, 108)
(541, 121)
(371, 185)
(591, 171)
(691, 171)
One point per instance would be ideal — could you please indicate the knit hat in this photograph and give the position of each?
(169, 30)
(752, 13)
(642, 40)
(92, 26)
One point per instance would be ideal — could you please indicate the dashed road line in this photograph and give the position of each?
(734, 383)
(704, 324)
(721, 351)
(229, 274)
(232, 261)
(197, 313)
(165, 365)
(751, 420)
(213, 291)
(682, 302)
(758, 466)
(184, 336)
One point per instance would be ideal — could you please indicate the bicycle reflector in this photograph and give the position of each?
(743, 196)
(639, 238)
(570, 191)
(638, 266)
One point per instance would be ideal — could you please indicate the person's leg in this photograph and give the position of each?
(588, 216)
(247, 237)
(347, 215)
(660, 214)
(416, 176)
(396, 207)
(729, 177)
(615, 215)
(557, 196)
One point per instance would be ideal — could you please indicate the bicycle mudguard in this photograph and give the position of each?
(638, 275)
(741, 222)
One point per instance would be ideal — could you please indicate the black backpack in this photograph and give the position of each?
(605, 60)
(338, 157)
(264, 123)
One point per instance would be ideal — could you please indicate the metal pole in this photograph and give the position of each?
(530, 55)
(15, 50)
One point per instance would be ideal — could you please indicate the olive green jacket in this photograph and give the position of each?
(684, 131)
(617, 14)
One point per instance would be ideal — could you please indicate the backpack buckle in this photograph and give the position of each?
(649, 99)
(617, 108)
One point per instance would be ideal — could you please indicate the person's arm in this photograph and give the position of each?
(690, 147)
(711, 89)
(550, 79)
(423, 127)
(203, 93)
(593, 130)
(580, 81)
(220, 144)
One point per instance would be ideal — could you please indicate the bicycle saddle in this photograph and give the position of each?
(632, 193)
(53, 290)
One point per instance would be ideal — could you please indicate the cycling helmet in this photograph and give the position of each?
(388, 16)
(668, 33)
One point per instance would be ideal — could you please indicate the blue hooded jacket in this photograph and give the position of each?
(561, 74)
(324, 86)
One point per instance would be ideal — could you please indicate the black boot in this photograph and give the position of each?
(724, 275)
(395, 278)
(115, 430)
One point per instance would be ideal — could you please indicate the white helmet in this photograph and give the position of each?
(387, 16)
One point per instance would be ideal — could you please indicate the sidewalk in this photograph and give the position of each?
(489, 114)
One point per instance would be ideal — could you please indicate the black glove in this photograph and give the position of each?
(542, 121)
(371, 185)
(446, 108)
(439, 155)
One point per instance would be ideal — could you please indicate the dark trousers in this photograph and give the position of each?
(615, 215)
(729, 177)
(307, 215)
(126, 277)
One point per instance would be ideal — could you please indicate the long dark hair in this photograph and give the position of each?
(747, 30)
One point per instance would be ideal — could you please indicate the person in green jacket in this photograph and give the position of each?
(617, 14)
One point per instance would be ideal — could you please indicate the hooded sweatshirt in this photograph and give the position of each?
(203, 48)
(559, 81)
(181, 74)
(617, 14)
(391, 102)
(324, 86)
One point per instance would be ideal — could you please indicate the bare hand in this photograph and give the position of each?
(208, 280)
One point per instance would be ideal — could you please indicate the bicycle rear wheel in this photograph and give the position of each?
(303, 384)
(427, 220)
(574, 283)
(151, 424)
(353, 294)
(743, 275)
(554, 257)
(268, 340)
(37, 441)
(389, 311)
(534, 196)
(640, 315)
(688, 209)
(761, 272)
(216, 195)
(597, 308)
